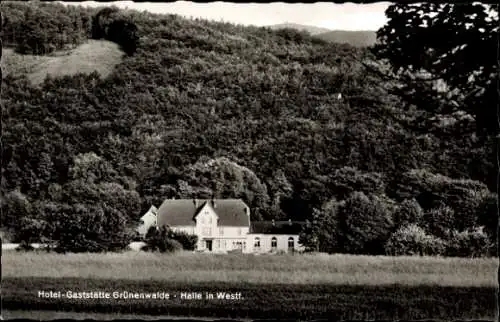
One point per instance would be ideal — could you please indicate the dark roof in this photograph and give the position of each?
(277, 227)
(181, 212)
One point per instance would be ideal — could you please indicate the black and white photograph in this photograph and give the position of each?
(247, 161)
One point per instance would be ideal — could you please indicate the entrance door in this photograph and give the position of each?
(208, 244)
(291, 245)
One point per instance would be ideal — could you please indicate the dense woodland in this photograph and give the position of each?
(208, 109)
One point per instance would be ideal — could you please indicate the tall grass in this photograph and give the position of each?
(298, 269)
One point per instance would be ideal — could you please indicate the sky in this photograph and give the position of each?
(346, 16)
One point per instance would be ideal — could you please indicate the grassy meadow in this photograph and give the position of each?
(262, 269)
(95, 55)
(283, 286)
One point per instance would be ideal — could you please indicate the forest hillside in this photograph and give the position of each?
(197, 108)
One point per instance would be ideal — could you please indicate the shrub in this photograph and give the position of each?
(488, 216)
(413, 240)
(469, 243)
(172, 245)
(187, 241)
(160, 240)
(25, 247)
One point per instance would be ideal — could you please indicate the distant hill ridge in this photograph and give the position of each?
(358, 38)
(313, 30)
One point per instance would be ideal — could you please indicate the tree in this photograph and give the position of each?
(365, 223)
(409, 212)
(321, 234)
(90, 213)
(112, 24)
(15, 206)
(347, 180)
(488, 216)
(91, 168)
(13, 176)
(126, 201)
(280, 189)
(223, 178)
(30, 231)
(91, 228)
(440, 221)
(453, 42)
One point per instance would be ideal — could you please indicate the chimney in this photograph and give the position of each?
(214, 203)
(195, 201)
(290, 222)
(272, 221)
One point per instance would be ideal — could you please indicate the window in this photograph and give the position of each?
(224, 244)
(209, 220)
(217, 243)
(244, 245)
(274, 242)
(207, 231)
(291, 243)
(257, 243)
(221, 231)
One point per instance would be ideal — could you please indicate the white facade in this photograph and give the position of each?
(269, 243)
(213, 237)
(147, 221)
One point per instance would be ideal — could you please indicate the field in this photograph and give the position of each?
(95, 55)
(264, 269)
(301, 286)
